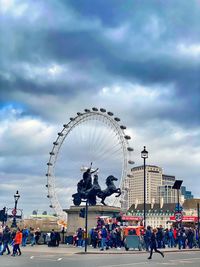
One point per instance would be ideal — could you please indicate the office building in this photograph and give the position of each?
(136, 184)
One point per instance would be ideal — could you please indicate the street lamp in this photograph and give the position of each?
(14, 211)
(144, 155)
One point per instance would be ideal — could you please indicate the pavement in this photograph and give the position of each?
(68, 249)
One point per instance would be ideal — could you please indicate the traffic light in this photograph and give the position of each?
(3, 215)
(82, 213)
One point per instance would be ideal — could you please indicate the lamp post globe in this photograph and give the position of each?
(14, 211)
(144, 155)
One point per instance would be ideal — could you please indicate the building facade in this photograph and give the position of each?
(168, 179)
(186, 194)
(164, 214)
(136, 184)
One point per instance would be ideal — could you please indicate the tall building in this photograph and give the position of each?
(165, 192)
(168, 179)
(158, 187)
(186, 194)
(136, 184)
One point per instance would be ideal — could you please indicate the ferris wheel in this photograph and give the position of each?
(96, 136)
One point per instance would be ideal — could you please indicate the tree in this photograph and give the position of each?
(34, 212)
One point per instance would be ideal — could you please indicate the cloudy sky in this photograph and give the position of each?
(138, 59)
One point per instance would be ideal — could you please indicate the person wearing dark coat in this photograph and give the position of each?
(52, 242)
(153, 245)
(6, 239)
(58, 239)
(147, 237)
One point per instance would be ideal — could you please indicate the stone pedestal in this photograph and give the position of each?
(74, 221)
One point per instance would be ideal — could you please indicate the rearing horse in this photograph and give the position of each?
(111, 189)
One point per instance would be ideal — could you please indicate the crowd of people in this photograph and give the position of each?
(105, 236)
(182, 237)
(11, 240)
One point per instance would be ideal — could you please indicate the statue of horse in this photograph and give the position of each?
(111, 189)
(90, 191)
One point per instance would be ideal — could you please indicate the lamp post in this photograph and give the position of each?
(14, 211)
(144, 155)
(86, 225)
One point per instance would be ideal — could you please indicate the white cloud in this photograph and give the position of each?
(131, 92)
(189, 50)
(13, 7)
(16, 132)
(171, 147)
(31, 188)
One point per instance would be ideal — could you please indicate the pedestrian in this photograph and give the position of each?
(1, 238)
(17, 243)
(37, 236)
(171, 238)
(80, 237)
(118, 238)
(58, 238)
(44, 236)
(94, 238)
(25, 234)
(161, 237)
(32, 237)
(104, 235)
(153, 245)
(6, 239)
(147, 237)
(52, 242)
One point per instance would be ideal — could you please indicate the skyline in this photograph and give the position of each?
(139, 60)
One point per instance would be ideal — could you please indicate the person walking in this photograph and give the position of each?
(25, 234)
(58, 239)
(104, 235)
(147, 237)
(153, 245)
(17, 242)
(52, 242)
(6, 239)
(37, 236)
(32, 237)
(1, 238)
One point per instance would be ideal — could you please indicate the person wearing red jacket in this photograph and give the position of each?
(17, 242)
(175, 236)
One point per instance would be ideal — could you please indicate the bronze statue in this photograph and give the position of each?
(111, 189)
(86, 190)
